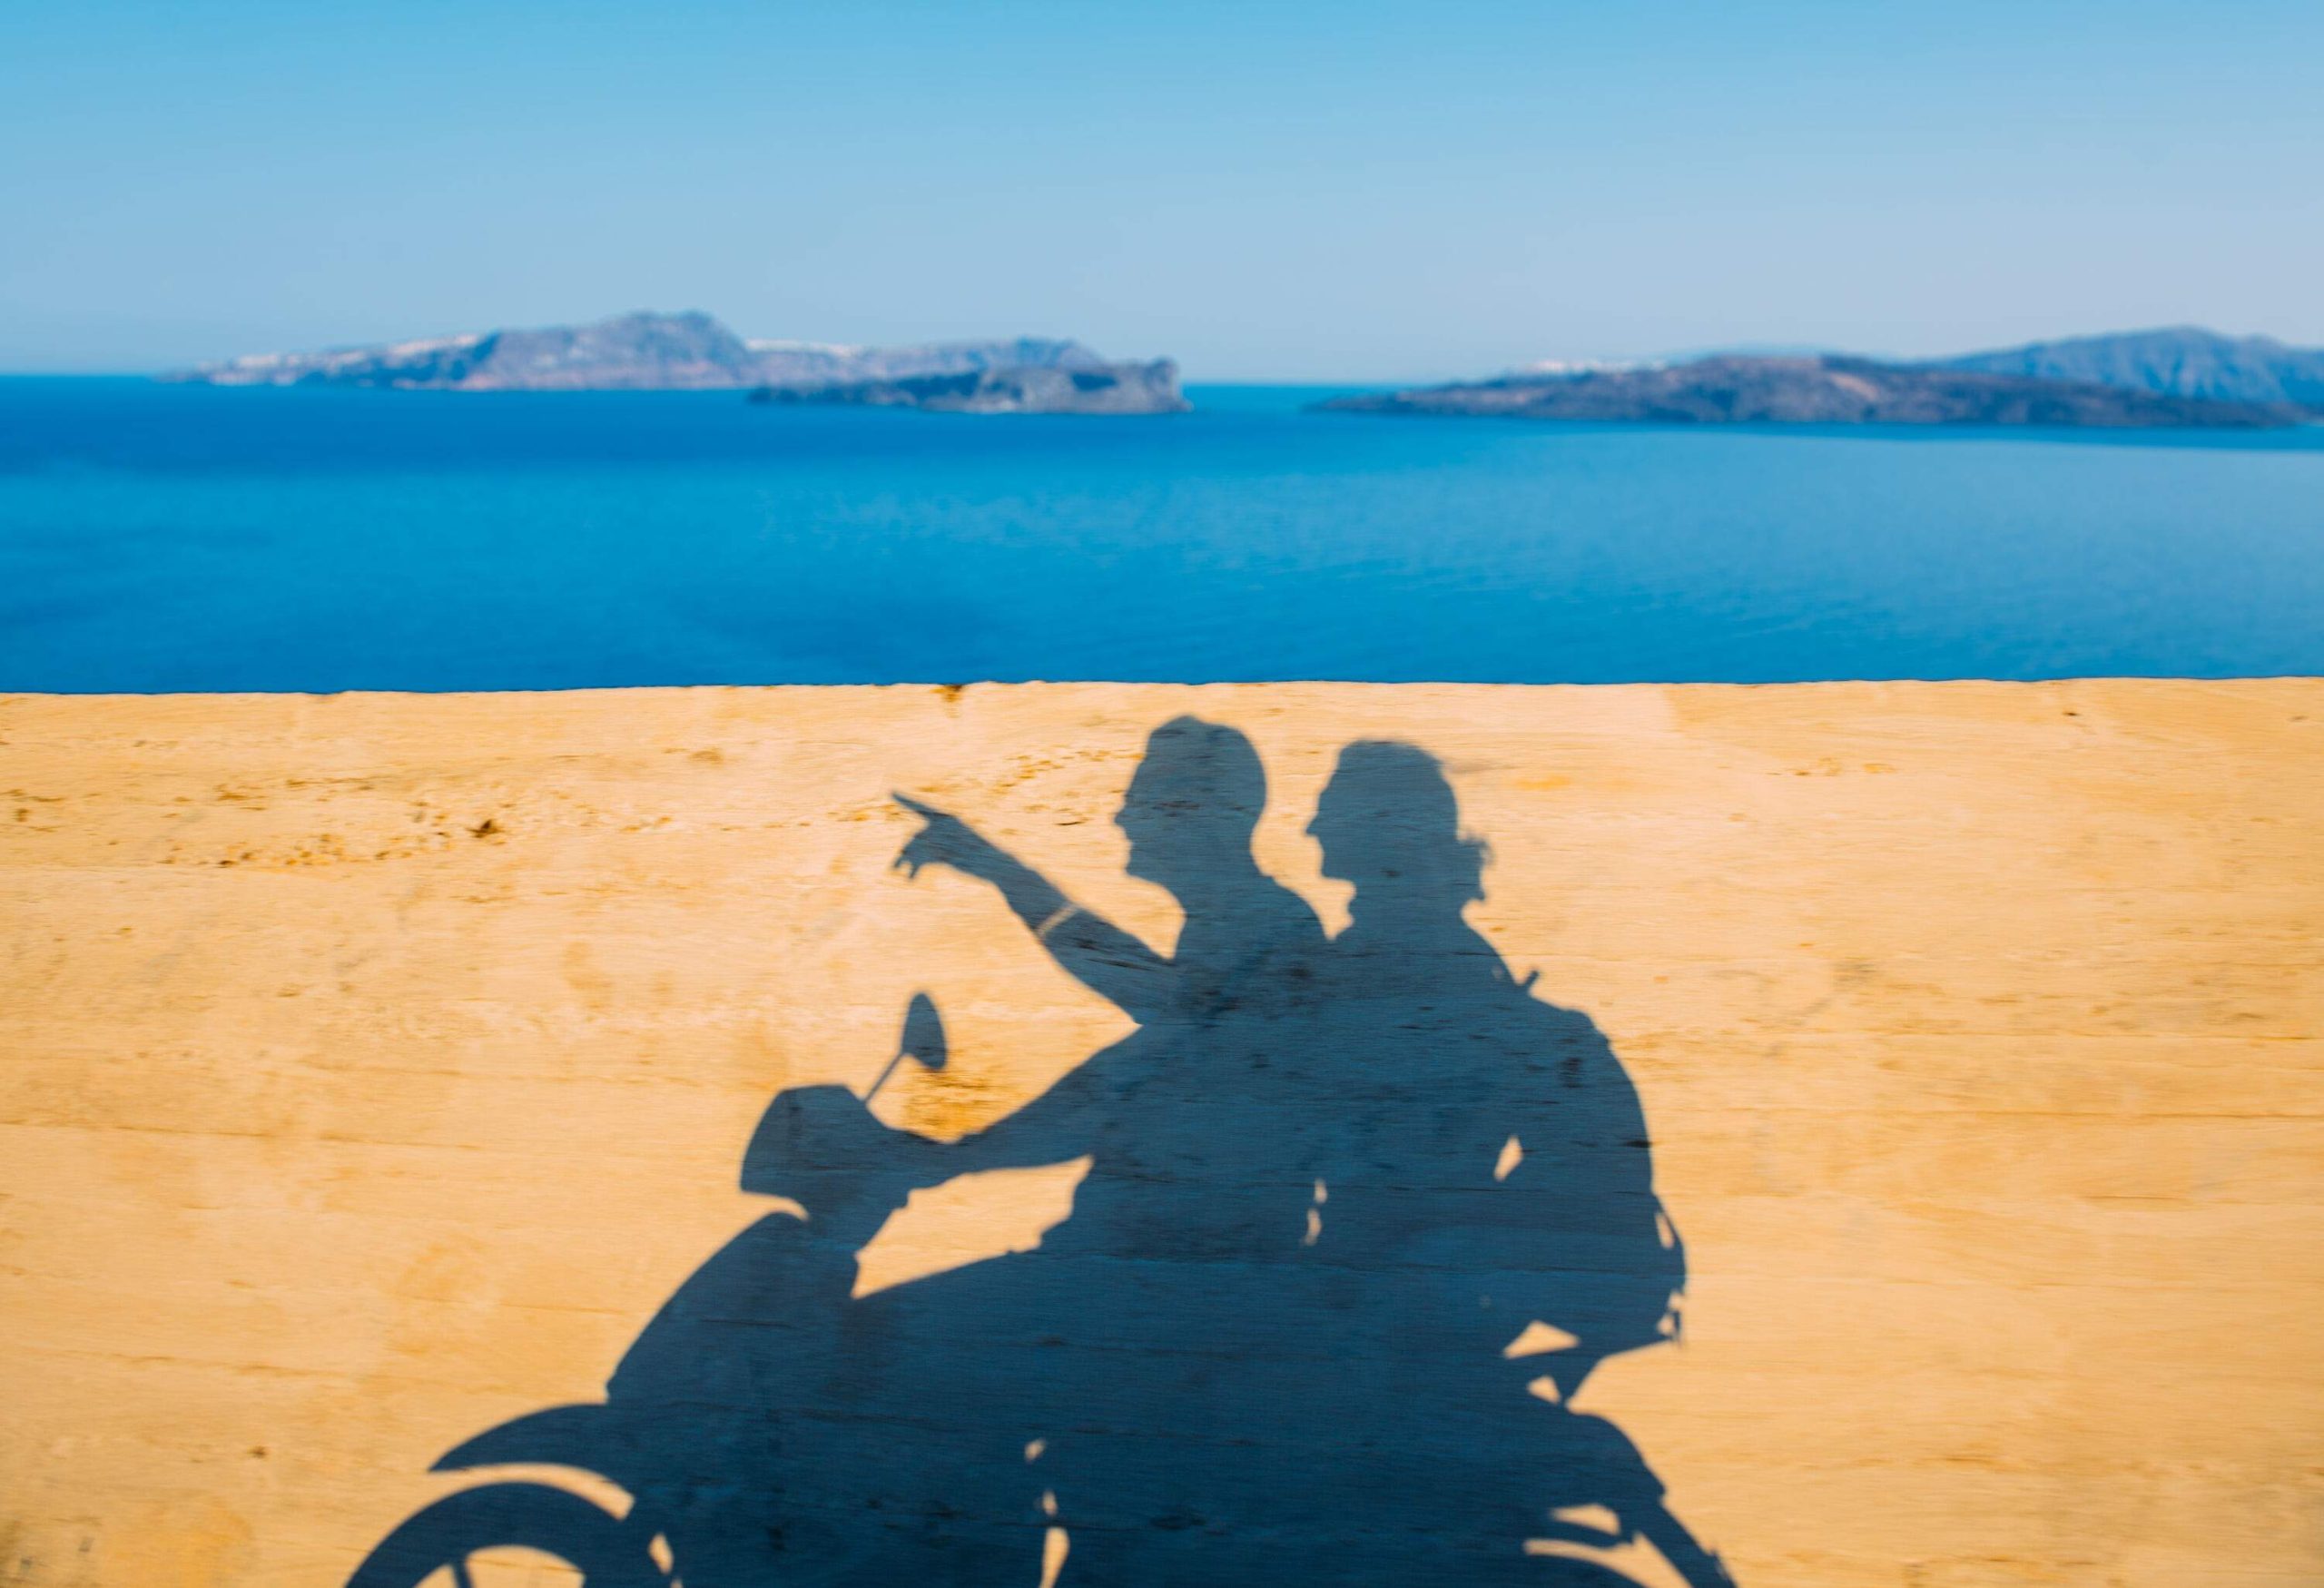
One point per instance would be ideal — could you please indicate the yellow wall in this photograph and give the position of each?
(372, 1067)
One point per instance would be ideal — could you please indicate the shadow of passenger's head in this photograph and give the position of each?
(1193, 804)
(1388, 821)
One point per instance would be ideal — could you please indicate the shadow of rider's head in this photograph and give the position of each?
(1388, 821)
(1191, 807)
(820, 1147)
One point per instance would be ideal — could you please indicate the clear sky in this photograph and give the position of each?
(1332, 191)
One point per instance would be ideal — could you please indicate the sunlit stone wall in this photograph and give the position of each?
(372, 1068)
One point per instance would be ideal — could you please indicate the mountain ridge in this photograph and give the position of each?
(1108, 389)
(1823, 390)
(2179, 360)
(639, 351)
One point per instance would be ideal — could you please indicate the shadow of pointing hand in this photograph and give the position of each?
(946, 840)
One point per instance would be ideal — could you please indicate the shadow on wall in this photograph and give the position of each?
(1362, 1214)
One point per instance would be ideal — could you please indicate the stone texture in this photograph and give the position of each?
(376, 1065)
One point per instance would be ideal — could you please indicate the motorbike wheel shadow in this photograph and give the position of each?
(450, 1534)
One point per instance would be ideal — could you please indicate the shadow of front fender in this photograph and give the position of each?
(587, 1438)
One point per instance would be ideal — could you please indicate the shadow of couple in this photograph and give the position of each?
(1362, 1214)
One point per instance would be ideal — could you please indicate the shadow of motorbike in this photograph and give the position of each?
(686, 1436)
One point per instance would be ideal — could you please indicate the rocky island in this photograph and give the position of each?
(2084, 385)
(694, 352)
(2181, 361)
(1102, 388)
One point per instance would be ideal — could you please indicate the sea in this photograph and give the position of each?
(159, 537)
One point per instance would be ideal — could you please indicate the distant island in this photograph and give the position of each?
(1099, 388)
(2182, 379)
(2180, 362)
(694, 352)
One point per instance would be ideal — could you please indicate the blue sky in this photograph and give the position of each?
(1340, 192)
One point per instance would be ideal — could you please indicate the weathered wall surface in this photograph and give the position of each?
(375, 1067)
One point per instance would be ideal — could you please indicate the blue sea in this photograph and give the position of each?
(161, 538)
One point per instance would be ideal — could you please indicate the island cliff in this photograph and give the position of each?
(2181, 360)
(1819, 390)
(1107, 389)
(694, 352)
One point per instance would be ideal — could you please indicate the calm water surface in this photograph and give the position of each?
(159, 537)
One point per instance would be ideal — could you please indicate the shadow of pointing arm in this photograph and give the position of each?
(1101, 956)
(1110, 962)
